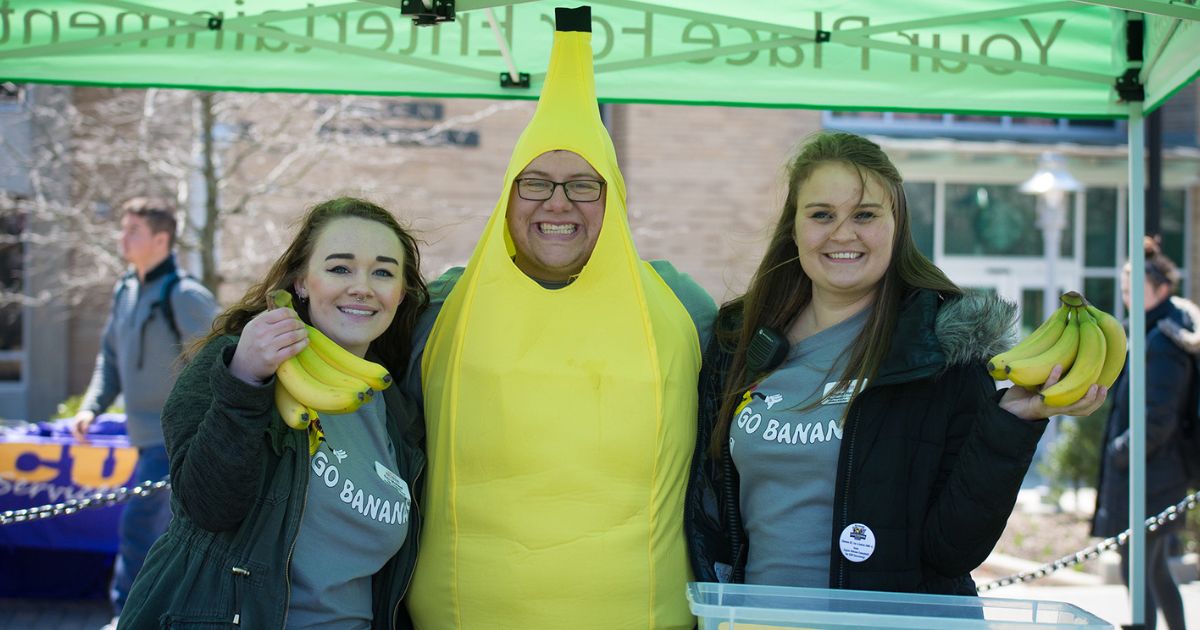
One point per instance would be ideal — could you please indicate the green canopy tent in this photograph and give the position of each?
(1083, 59)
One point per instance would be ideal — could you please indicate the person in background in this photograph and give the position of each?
(156, 310)
(850, 436)
(1170, 394)
(272, 528)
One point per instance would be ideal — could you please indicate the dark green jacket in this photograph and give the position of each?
(239, 479)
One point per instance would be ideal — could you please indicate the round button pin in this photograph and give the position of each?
(857, 542)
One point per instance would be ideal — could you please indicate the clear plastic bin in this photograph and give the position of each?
(749, 607)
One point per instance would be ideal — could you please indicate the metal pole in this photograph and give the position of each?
(1154, 157)
(1137, 366)
(1051, 236)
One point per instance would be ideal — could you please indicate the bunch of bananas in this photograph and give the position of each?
(324, 378)
(1089, 343)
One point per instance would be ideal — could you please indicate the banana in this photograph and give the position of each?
(326, 373)
(315, 394)
(1115, 342)
(374, 375)
(1072, 298)
(1033, 371)
(1088, 364)
(294, 414)
(1038, 341)
(316, 435)
(369, 372)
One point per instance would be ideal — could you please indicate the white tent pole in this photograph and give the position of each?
(502, 43)
(1137, 366)
(1179, 11)
(1148, 66)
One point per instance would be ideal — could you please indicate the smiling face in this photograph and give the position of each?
(845, 234)
(354, 281)
(555, 238)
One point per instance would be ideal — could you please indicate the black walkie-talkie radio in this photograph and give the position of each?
(767, 349)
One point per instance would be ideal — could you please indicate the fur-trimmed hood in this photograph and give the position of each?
(975, 327)
(934, 333)
(1188, 339)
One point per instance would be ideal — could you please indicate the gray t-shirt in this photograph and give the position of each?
(787, 455)
(358, 501)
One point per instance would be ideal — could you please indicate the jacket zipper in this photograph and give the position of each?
(416, 542)
(287, 566)
(846, 493)
(731, 516)
(239, 574)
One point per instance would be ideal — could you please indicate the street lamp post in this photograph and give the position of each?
(1051, 183)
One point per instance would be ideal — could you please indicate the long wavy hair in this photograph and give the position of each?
(395, 344)
(780, 289)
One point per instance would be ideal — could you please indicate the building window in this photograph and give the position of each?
(1100, 229)
(1172, 225)
(920, 200)
(12, 267)
(997, 220)
(977, 127)
(1102, 293)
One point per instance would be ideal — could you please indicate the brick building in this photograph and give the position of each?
(705, 185)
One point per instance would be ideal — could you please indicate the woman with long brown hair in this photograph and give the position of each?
(268, 531)
(850, 436)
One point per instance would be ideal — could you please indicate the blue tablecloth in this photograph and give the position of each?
(42, 464)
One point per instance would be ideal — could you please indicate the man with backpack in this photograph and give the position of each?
(156, 310)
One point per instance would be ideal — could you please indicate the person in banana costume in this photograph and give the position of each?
(559, 390)
(1170, 395)
(266, 532)
(850, 435)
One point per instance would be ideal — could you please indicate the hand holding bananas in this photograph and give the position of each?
(322, 377)
(1073, 357)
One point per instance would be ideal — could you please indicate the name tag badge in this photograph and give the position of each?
(843, 395)
(392, 479)
(857, 542)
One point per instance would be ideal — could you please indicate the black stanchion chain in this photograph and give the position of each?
(97, 500)
(1172, 513)
(122, 495)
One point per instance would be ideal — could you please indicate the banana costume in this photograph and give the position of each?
(560, 423)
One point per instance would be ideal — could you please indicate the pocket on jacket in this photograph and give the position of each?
(196, 622)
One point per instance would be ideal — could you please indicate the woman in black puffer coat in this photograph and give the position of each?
(866, 447)
(1170, 393)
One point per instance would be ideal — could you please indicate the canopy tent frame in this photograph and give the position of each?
(260, 26)
(1149, 7)
(855, 37)
(1121, 89)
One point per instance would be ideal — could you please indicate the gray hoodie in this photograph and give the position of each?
(139, 350)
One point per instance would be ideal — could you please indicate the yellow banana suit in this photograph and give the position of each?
(560, 422)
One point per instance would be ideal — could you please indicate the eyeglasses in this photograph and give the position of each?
(543, 189)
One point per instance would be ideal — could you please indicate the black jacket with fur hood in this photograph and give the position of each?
(929, 461)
